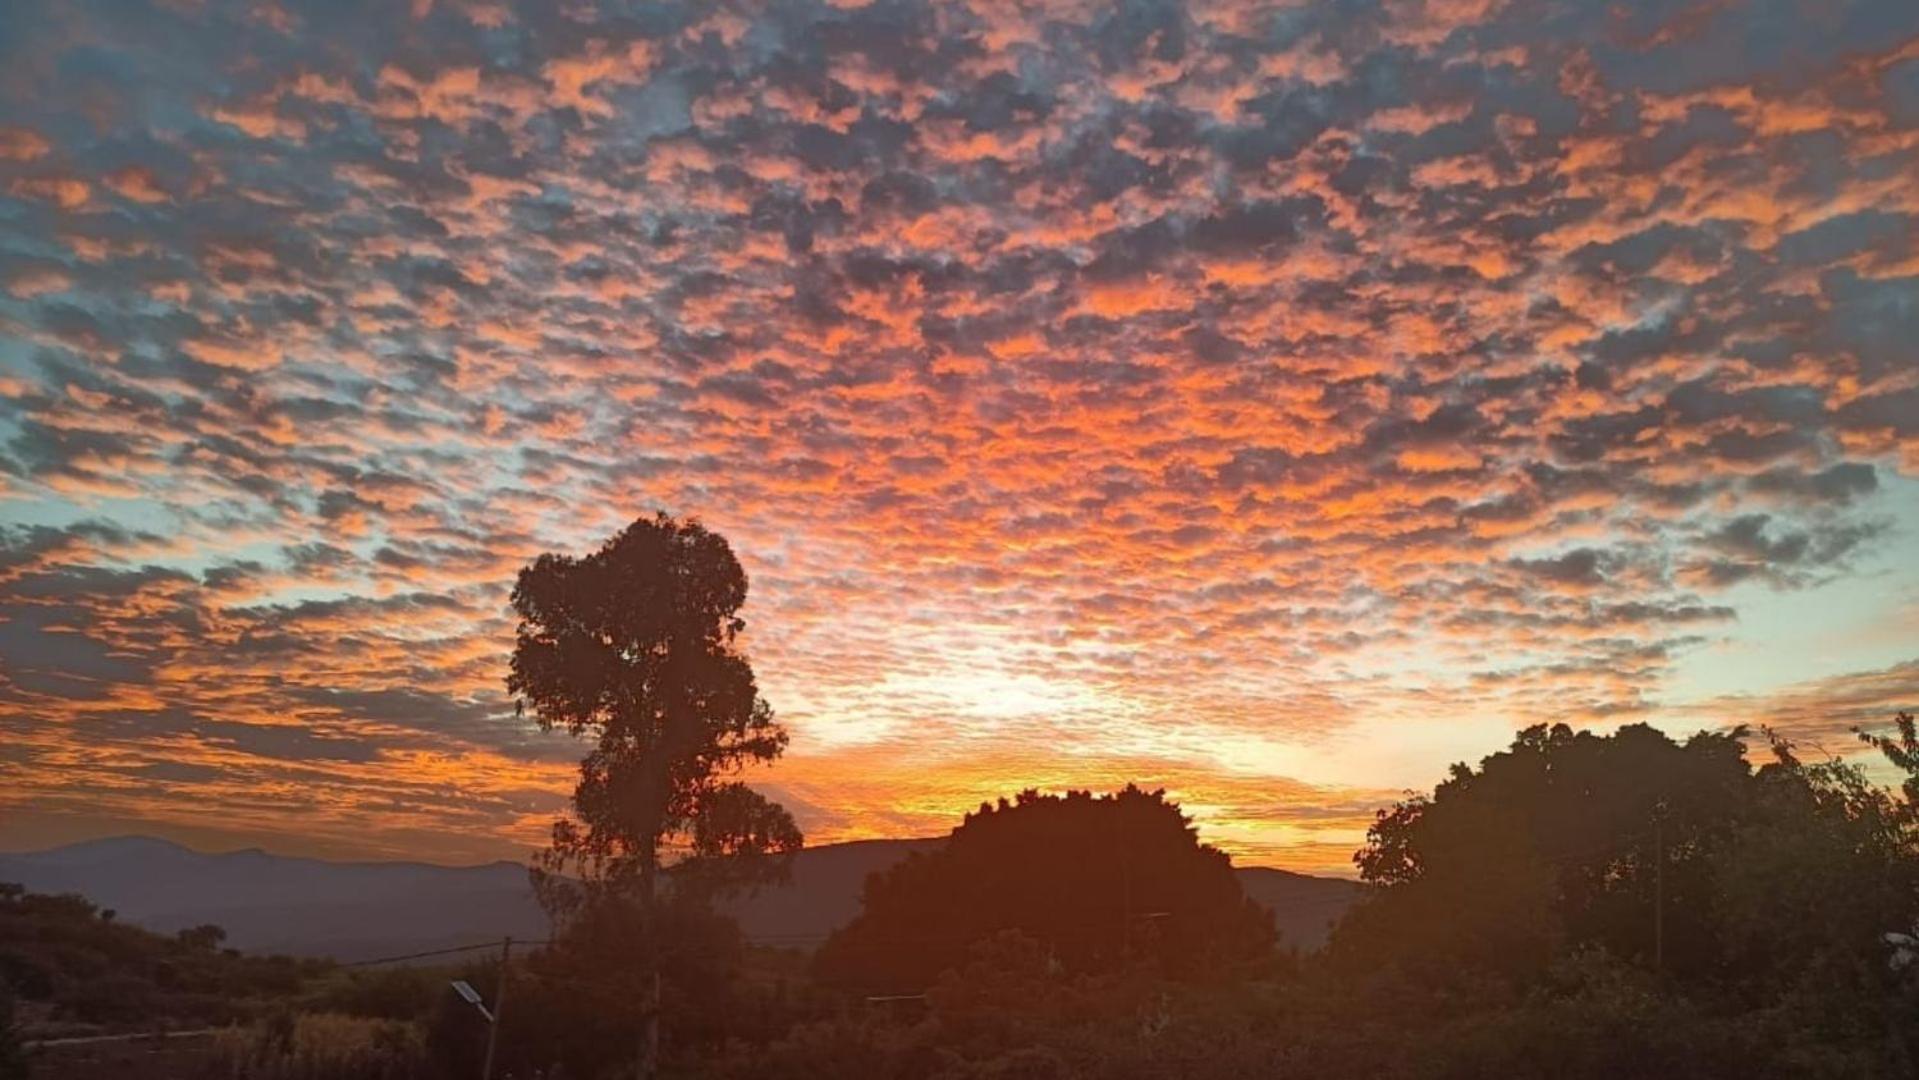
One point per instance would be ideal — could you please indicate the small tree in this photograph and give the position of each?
(637, 645)
(205, 936)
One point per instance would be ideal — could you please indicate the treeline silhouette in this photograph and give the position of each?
(1576, 905)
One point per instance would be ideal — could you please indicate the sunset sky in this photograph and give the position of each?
(1275, 403)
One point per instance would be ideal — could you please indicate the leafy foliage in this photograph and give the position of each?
(1102, 883)
(204, 936)
(320, 1046)
(76, 969)
(1901, 750)
(1561, 841)
(1675, 856)
(1510, 932)
(571, 1007)
(1575, 907)
(637, 643)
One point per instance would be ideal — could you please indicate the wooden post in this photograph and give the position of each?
(648, 1065)
(499, 1009)
(650, 1028)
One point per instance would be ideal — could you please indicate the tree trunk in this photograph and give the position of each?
(648, 1064)
(675, 736)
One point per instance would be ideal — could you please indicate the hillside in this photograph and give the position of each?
(347, 910)
(280, 904)
(68, 966)
(822, 894)
(1304, 907)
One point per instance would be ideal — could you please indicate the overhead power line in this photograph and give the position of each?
(432, 953)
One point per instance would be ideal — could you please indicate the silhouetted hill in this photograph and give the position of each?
(1304, 907)
(823, 894)
(353, 910)
(277, 903)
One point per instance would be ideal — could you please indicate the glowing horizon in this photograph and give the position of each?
(1273, 403)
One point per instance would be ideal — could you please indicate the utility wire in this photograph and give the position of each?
(790, 939)
(432, 952)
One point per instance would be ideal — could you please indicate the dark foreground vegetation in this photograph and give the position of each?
(1577, 905)
(70, 968)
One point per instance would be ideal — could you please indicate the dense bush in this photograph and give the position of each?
(319, 1046)
(80, 967)
(390, 993)
(1763, 891)
(1101, 883)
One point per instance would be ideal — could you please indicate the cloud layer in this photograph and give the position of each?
(1227, 396)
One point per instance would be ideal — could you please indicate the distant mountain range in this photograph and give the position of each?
(360, 910)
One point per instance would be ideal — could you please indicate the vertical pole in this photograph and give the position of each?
(649, 1057)
(499, 1009)
(1659, 889)
(650, 1046)
(1125, 884)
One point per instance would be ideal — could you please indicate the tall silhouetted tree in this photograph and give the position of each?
(637, 645)
(1566, 838)
(1679, 858)
(1101, 883)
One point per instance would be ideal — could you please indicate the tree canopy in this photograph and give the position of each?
(1678, 857)
(1100, 882)
(637, 644)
